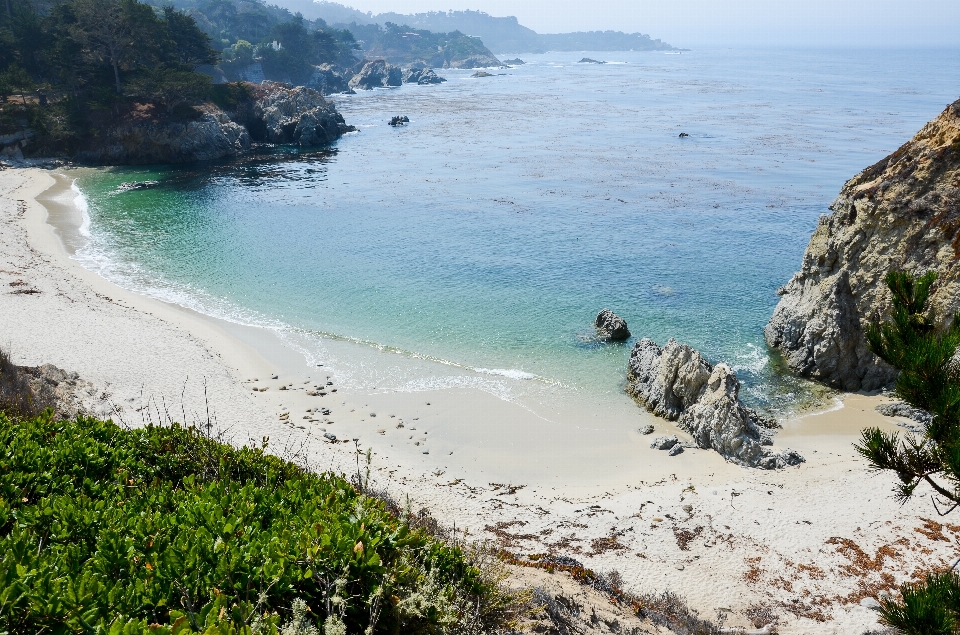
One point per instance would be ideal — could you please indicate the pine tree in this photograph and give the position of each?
(929, 379)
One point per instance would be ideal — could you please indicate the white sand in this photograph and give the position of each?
(807, 543)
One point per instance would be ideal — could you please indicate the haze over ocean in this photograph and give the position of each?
(489, 231)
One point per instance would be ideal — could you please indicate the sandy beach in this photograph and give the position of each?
(807, 544)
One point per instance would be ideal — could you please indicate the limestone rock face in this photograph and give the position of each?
(212, 136)
(902, 213)
(677, 383)
(377, 74)
(611, 326)
(299, 115)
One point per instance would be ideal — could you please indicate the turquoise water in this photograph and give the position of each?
(489, 231)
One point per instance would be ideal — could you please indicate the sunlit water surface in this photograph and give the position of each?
(488, 232)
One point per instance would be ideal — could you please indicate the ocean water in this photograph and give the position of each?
(479, 241)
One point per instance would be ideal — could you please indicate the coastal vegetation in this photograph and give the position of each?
(166, 529)
(928, 379)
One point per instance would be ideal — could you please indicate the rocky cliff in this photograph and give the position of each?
(902, 213)
(270, 113)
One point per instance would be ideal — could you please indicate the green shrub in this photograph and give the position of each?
(163, 530)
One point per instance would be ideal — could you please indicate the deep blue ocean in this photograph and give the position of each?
(488, 232)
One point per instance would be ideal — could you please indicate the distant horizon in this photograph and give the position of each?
(885, 24)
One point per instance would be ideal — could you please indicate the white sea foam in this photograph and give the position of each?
(510, 373)
(80, 201)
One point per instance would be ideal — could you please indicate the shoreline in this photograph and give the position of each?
(620, 505)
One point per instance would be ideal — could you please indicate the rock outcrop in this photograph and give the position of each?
(474, 61)
(676, 382)
(300, 116)
(377, 74)
(212, 136)
(611, 326)
(902, 213)
(329, 79)
(422, 76)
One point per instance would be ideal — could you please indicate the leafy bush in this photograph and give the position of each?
(163, 530)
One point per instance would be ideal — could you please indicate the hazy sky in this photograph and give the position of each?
(698, 22)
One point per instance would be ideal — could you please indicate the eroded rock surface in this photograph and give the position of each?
(902, 213)
(377, 74)
(299, 115)
(212, 136)
(676, 382)
(422, 76)
(611, 326)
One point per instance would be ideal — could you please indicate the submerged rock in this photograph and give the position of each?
(677, 383)
(514, 62)
(898, 214)
(482, 74)
(611, 326)
(377, 74)
(587, 60)
(399, 120)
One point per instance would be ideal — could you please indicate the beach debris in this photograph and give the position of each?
(399, 121)
(426, 451)
(325, 411)
(675, 450)
(373, 414)
(647, 429)
(664, 443)
(274, 377)
(677, 383)
(611, 326)
(282, 388)
(331, 436)
(381, 431)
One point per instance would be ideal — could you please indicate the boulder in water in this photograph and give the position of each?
(611, 326)
(422, 76)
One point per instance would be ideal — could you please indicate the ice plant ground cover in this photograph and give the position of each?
(165, 530)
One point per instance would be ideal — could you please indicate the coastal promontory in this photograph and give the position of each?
(901, 213)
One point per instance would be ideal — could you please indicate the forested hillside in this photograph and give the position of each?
(71, 67)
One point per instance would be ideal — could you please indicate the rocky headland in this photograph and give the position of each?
(901, 213)
(270, 112)
(677, 383)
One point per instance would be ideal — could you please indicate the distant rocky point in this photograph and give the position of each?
(266, 113)
(676, 382)
(514, 62)
(901, 213)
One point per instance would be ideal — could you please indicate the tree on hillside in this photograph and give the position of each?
(117, 32)
(929, 379)
(191, 46)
